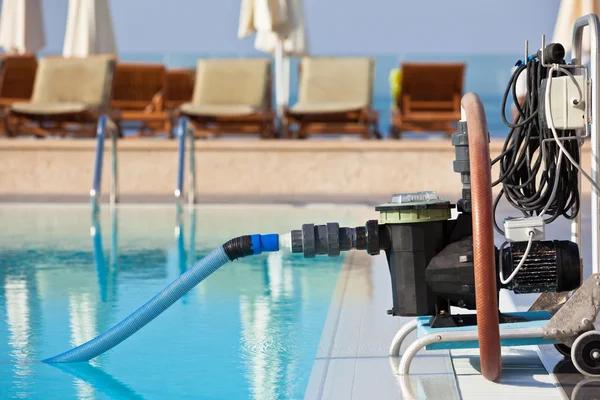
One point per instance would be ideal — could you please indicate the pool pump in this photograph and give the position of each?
(430, 256)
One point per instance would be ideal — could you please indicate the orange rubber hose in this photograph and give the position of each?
(488, 325)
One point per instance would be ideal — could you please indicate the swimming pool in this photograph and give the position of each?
(251, 330)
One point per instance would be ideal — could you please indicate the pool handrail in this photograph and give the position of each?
(185, 134)
(105, 124)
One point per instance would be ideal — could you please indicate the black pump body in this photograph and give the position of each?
(423, 268)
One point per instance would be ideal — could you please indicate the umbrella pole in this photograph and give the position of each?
(281, 85)
(286, 80)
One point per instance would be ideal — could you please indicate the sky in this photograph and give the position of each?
(373, 27)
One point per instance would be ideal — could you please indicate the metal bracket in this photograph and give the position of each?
(449, 336)
(577, 315)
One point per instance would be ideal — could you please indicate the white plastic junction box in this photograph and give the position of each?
(518, 229)
(568, 101)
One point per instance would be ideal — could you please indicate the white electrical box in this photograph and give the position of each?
(518, 229)
(568, 101)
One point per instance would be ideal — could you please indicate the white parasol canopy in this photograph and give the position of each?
(22, 26)
(89, 29)
(279, 27)
(568, 13)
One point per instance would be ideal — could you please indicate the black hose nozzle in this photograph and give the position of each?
(238, 247)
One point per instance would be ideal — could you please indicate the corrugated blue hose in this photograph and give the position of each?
(146, 313)
(238, 247)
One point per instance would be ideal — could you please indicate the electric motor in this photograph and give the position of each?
(550, 266)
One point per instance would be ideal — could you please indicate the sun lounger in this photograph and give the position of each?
(429, 99)
(180, 87)
(231, 96)
(69, 95)
(139, 96)
(334, 96)
(17, 77)
(17, 74)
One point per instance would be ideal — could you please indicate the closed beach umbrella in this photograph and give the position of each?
(89, 29)
(22, 26)
(568, 13)
(279, 27)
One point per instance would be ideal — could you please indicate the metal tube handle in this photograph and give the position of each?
(591, 20)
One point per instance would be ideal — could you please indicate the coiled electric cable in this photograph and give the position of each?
(533, 181)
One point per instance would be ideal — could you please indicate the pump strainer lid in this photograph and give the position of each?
(414, 207)
(418, 200)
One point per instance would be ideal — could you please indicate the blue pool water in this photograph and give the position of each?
(251, 330)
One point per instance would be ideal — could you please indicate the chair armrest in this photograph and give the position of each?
(157, 104)
(406, 103)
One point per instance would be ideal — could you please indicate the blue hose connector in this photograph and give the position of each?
(264, 243)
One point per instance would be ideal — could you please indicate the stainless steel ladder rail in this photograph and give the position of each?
(185, 135)
(105, 124)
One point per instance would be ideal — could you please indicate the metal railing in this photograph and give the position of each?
(185, 135)
(590, 20)
(105, 125)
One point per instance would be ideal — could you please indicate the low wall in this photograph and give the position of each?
(238, 168)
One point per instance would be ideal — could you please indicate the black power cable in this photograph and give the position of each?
(527, 174)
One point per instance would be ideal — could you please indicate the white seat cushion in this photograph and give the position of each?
(325, 108)
(218, 110)
(48, 108)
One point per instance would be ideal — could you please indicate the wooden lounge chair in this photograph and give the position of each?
(231, 96)
(139, 95)
(334, 96)
(180, 87)
(16, 80)
(429, 99)
(69, 95)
